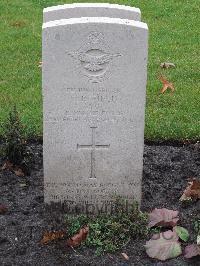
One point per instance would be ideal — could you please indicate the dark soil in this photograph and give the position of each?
(166, 171)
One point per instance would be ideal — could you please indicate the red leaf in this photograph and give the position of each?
(163, 246)
(81, 236)
(52, 236)
(192, 251)
(166, 85)
(163, 217)
(192, 191)
(3, 209)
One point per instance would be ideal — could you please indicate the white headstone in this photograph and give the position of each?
(94, 82)
(91, 10)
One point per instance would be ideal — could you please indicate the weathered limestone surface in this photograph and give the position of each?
(94, 82)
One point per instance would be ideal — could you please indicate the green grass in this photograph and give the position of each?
(174, 37)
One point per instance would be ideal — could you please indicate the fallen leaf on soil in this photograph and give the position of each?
(125, 256)
(167, 65)
(3, 209)
(163, 246)
(192, 191)
(166, 85)
(182, 233)
(163, 217)
(18, 172)
(14, 168)
(78, 238)
(7, 165)
(52, 236)
(192, 251)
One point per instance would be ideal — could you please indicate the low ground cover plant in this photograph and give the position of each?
(108, 233)
(17, 156)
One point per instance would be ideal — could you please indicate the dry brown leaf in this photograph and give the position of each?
(7, 165)
(166, 65)
(40, 64)
(18, 24)
(78, 238)
(125, 256)
(18, 172)
(166, 85)
(3, 209)
(52, 236)
(14, 168)
(192, 191)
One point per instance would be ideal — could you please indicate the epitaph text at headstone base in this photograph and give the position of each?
(78, 10)
(94, 80)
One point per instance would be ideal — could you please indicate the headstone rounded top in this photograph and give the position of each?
(95, 5)
(91, 10)
(101, 20)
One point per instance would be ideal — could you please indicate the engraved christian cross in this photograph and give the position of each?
(93, 147)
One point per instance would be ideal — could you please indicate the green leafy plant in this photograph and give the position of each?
(197, 226)
(193, 250)
(15, 150)
(197, 230)
(182, 233)
(108, 233)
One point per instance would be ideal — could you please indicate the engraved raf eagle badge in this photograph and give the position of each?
(93, 58)
(93, 62)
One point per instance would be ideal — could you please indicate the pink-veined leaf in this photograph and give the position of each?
(163, 217)
(163, 246)
(192, 251)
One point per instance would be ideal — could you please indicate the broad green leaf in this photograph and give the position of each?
(182, 233)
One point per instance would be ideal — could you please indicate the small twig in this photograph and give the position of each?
(110, 256)
(126, 242)
(73, 249)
